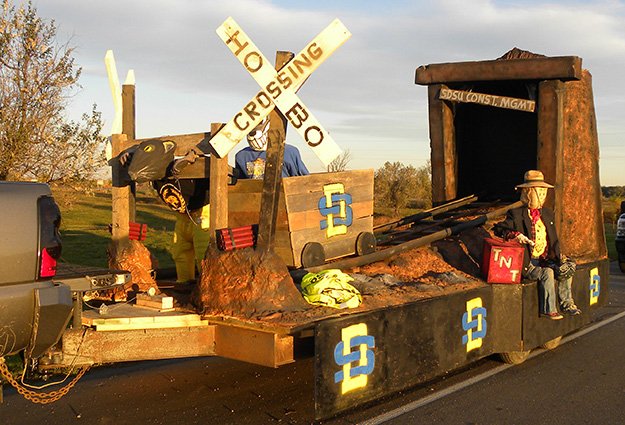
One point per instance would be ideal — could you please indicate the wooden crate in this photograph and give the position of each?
(329, 209)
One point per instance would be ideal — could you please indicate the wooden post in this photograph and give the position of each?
(273, 172)
(559, 159)
(218, 192)
(120, 194)
(128, 128)
(443, 148)
(549, 134)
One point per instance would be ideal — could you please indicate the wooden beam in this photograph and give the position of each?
(271, 191)
(128, 112)
(548, 133)
(120, 195)
(562, 68)
(184, 142)
(128, 128)
(218, 192)
(254, 346)
(273, 171)
(96, 347)
(443, 148)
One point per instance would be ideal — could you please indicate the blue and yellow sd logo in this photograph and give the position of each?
(595, 286)
(356, 365)
(474, 323)
(335, 207)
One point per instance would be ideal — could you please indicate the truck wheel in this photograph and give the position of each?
(365, 243)
(551, 344)
(313, 255)
(514, 357)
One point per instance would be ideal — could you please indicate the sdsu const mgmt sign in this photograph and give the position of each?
(278, 88)
(487, 99)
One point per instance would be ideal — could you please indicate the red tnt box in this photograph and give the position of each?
(502, 261)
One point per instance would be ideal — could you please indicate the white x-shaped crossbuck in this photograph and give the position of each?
(278, 88)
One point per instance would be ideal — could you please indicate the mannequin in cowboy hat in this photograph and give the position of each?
(532, 225)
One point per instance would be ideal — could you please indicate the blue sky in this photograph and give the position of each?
(364, 94)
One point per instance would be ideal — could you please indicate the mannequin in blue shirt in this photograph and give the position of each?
(250, 161)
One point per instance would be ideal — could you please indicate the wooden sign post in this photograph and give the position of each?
(273, 172)
(123, 128)
(278, 89)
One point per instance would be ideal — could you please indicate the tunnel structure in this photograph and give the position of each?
(490, 121)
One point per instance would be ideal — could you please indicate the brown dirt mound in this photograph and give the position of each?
(245, 283)
(135, 258)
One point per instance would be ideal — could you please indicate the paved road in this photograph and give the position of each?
(582, 381)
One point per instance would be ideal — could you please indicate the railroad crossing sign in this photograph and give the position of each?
(278, 89)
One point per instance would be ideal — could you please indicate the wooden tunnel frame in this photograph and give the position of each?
(562, 142)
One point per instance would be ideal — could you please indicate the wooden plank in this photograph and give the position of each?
(547, 134)
(132, 345)
(561, 67)
(272, 179)
(128, 128)
(464, 96)
(244, 218)
(437, 151)
(309, 201)
(136, 314)
(160, 302)
(252, 346)
(128, 111)
(247, 186)
(244, 201)
(311, 219)
(184, 142)
(106, 327)
(271, 191)
(302, 184)
(218, 191)
(450, 153)
(120, 198)
(200, 169)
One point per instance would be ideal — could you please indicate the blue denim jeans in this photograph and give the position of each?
(547, 301)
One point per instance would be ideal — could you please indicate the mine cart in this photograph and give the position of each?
(321, 216)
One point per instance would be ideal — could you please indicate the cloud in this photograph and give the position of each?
(186, 77)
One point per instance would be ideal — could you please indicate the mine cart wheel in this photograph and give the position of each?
(551, 344)
(365, 243)
(514, 357)
(313, 255)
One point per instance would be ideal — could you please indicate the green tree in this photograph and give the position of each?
(397, 184)
(423, 193)
(38, 76)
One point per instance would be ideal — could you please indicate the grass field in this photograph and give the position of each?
(86, 218)
(85, 222)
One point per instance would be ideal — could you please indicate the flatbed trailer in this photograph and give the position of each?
(380, 348)
(360, 356)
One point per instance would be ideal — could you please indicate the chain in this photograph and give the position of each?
(36, 397)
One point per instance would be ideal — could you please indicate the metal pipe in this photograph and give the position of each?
(415, 243)
(427, 213)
